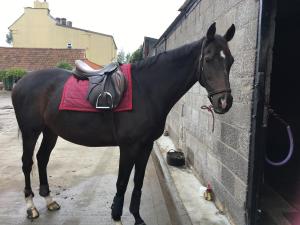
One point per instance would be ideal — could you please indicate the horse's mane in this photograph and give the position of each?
(167, 56)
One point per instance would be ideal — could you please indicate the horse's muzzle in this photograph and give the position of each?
(222, 102)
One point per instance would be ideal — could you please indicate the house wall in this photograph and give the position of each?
(220, 157)
(37, 29)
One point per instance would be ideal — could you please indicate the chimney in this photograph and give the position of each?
(63, 21)
(41, 5)
(69, 23)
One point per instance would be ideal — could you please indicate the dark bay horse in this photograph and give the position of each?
(158, 83)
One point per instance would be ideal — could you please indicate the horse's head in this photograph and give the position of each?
(214, 65)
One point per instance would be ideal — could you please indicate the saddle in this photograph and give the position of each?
(106, 85)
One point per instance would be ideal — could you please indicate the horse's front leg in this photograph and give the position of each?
(127, 157)
(140, 167)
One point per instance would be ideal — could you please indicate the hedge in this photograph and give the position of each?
(9, 77)
(64, 65)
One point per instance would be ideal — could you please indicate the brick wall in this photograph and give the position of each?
(220, 158)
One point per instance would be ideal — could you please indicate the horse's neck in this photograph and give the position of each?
(169, 76)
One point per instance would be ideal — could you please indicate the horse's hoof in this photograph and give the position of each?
(32, 213)
(115, 215)
(53, 206)
(139, 221)
(116, 218)
(118, 222)
(117, 208)
(142, 223)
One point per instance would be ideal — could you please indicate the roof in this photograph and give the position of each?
(75, 28)
(148, 45)
(150, 40)
(92, 64)
(185, 5)
(37, 58)
(184, 9)
(88, 31)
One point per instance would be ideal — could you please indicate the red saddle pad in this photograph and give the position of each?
(74, 96)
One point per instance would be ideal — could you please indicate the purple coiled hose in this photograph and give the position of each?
(291, 149)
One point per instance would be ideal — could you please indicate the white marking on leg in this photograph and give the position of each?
(222, 54)
(32, 212)
(51, 204)
(29, 202)
(118, 222)
(49, 199)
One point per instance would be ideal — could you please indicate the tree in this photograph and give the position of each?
(121, 56)
(127, 57)
(137, 55)
(9, 38)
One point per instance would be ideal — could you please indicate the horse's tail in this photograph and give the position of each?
(13, 100)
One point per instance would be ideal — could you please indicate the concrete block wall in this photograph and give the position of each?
(220, 157)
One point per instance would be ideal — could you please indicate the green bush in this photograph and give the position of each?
(15, 73)
(2, 74)
(64, 65)
(11, 76)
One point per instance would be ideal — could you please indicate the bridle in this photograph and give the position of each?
(201, 77)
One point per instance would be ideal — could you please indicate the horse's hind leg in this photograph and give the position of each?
(43, 155)
(140, 167)
(29, 141)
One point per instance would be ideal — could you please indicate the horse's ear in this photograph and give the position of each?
(211, 32)
(230, 33)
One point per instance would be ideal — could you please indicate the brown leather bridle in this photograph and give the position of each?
(201, 79)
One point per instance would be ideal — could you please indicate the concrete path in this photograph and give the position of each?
(185, 191)
(81, 179)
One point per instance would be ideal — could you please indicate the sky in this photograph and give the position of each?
(127, 21)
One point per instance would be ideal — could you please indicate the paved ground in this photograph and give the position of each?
(81, 179)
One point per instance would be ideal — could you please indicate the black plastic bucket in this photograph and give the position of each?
(175, 158)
